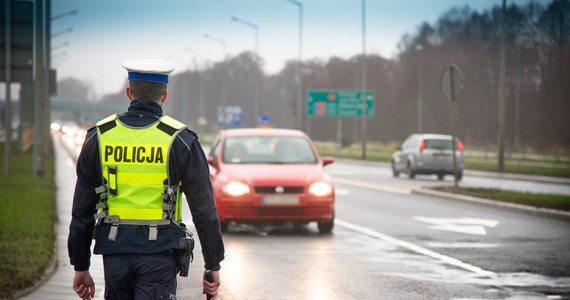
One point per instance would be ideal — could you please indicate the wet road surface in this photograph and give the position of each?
(383, 247)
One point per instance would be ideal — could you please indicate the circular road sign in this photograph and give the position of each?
(452, 82)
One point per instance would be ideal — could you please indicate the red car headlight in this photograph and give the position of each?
(320, 189)
(236, 188)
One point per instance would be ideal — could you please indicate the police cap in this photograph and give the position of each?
(148, 69)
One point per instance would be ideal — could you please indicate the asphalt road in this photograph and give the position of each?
(391, 244)
(388, 243)
(380, 174)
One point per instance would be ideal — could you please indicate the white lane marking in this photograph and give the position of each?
(372, 186)
(461, 245)
(341, 191)
(462, 225)
(415, 248)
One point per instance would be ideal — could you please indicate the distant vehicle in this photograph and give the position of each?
(428, 154)
(270, 176)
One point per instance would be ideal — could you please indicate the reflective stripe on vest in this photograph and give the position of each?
(134, 164)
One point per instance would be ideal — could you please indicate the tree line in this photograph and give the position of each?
(537, 86)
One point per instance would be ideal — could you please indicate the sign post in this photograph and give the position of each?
(452, 86)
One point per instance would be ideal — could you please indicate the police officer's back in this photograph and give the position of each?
(131, 173)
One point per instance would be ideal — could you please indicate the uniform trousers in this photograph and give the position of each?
(140, 276)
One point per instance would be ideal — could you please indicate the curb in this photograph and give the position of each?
(49, 271)
(528, 208)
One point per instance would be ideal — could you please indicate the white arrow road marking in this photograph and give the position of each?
(462, 225)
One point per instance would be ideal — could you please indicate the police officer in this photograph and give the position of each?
(131, 172)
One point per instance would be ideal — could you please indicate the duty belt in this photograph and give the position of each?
(168, 206)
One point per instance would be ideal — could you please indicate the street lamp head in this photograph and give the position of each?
(235, 19)
(65, 14)
(295, 2)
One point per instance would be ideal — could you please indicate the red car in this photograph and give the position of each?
(272, 176)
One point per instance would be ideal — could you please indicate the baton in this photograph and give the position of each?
(209, 278)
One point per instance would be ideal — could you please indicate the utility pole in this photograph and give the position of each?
(256, 104)
(420, 48)
(299, 78)
(501, 135)
(363, 78)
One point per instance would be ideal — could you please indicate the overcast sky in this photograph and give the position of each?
(106, 32)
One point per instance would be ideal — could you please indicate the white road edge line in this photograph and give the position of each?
(415, 248)
(371, 186)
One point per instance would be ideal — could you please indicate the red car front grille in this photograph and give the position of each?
(236, 210)
(280, 211)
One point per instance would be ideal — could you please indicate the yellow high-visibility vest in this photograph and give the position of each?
(134, 165)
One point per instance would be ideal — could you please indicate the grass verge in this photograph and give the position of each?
(27, 216)
(560, 202)
(383, 153)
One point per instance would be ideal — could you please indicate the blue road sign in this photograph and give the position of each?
(229, 115)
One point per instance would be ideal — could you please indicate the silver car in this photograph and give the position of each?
(428, 154)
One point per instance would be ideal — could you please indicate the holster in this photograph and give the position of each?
(184, 253)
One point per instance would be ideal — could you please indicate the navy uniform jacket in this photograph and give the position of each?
(187, 164)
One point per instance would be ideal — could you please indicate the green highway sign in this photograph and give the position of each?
(339, 103)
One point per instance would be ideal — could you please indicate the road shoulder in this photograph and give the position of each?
(528, 208)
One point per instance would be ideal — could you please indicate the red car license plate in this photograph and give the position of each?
(280, 200)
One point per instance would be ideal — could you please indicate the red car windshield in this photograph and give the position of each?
(267, 150)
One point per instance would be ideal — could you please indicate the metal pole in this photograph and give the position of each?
(517, 102)
(39, 81)
(223, 44)
(300, 71)
(47, 65)
(7, 109)
(299, 77)
(363, 94)
(452, 111)
(256, 84)
(501, 162)
(420, 91)
(339, 134)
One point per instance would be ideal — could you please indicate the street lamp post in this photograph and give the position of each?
(420, 49)
(197, 67)
(49, 36)
(219, 41)
(224, 49)
(299, 79)
(254, 27)
(502, 75)
(363, 94)
(255, 92)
